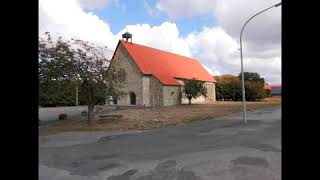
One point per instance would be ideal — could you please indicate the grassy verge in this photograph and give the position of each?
(148, 118)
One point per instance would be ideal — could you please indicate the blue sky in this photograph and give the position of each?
(131, 12)
(207, 30)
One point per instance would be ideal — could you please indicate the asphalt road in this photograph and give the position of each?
(217, 149)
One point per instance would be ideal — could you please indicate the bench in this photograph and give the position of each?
(109, 117)
(98, 108)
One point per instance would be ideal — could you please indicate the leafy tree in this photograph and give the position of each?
(252, 77)
(268, 92)
(56, 93)
(236, 90)
(82, 63)
(55, 88)
(193, 88)
(220, 91)
(254, 91)
(228, 87)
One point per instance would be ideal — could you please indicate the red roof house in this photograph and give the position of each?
(274, 88)
(267, 87)
(166, 66)
(154, 76)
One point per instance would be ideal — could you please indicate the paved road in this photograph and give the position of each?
(206, 150)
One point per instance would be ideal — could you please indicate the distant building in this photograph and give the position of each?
(154, 77)
(275, 89)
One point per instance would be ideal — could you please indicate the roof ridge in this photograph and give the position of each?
(166, 66)
(191, 58)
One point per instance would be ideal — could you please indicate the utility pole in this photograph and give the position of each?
(242, 73)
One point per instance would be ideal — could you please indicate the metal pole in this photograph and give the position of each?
(243, 89)
(242, 73)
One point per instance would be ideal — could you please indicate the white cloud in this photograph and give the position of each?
(216, 48)
(164, 37)
(264, 28)
(152, 12)
(178, 8)
(69, 19)
(218, 51)
(231, 15)
(210, 71)
(94, 4)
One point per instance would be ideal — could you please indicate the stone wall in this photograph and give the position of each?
(171, 95)
(211, 87)
(211, 94)
(156, 92)
(149, 90)
(146, 101)
(134, 77)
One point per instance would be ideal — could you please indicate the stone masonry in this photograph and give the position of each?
(149, 91)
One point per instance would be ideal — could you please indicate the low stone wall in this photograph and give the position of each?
(73, 112)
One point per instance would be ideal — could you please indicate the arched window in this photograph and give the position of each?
(172, 93)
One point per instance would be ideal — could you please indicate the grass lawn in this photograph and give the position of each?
(147, 118)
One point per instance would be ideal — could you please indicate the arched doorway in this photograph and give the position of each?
(115, 101)
(132, 98)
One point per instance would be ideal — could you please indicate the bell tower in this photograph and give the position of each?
(127, 36)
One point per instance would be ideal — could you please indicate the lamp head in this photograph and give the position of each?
(279, 4)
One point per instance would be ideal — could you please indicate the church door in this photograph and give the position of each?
(132, 98)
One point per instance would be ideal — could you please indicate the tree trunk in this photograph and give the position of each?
(90, 113)
(189, 101)
(90, 100)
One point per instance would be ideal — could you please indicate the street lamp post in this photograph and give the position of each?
(242, 74)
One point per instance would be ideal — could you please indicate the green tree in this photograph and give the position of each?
(252, 77)
(235, 89)
(193, 88)
(220, 91)
(57, 93)
(81, 62)
(268, 92)
(55, 86)
(254, 91)
(228, 87)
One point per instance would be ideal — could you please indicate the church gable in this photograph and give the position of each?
(122, 59)
(133, 83)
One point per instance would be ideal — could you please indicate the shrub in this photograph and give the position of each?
(268, 92)
(229, 87)
(254, 91)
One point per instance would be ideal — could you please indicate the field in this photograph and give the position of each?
(147, 118)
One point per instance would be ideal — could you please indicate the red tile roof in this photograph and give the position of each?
(275, 85)
(270, 86)
(166, 66)
(267, 87)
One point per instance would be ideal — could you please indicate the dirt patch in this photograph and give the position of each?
(147, 118)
